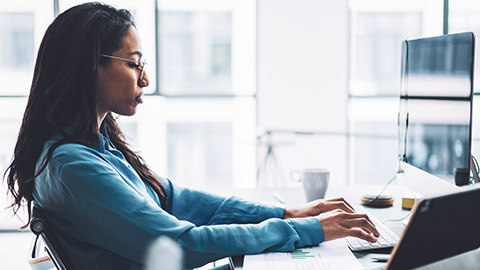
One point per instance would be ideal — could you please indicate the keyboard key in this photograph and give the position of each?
(387, 238)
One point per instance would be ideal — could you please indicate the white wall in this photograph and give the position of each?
(302, 81)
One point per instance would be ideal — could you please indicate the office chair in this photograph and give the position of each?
(40, 227)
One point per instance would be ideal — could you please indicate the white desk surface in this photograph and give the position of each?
(294, 196)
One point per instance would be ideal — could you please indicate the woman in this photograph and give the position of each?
(103, 202)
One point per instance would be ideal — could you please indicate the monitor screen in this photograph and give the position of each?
(436, 105)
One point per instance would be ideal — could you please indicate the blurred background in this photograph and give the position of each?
(244, 91)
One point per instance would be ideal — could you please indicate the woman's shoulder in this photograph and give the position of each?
(70, 151)
(66, 158)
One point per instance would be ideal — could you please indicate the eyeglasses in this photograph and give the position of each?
(138, 65)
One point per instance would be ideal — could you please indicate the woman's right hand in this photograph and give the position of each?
(339, 224)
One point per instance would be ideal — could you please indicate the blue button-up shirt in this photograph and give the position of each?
(105, 215)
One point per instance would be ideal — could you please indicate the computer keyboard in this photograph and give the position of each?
(387, 238)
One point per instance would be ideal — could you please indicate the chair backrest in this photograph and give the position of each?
(40, 226)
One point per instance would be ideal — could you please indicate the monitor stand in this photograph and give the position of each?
(422, 182)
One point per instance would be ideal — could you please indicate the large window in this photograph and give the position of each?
(16, 50)
(376, 45)
(206, 74)
(22, 25)
(377, 31)
(195, 52)
(465, 16)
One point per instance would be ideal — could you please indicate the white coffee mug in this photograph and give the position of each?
(315, 182)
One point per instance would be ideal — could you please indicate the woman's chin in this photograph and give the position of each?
(131, 111)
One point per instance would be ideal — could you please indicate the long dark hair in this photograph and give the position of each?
(63, 94)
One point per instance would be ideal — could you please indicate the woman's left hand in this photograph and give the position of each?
(317, 207)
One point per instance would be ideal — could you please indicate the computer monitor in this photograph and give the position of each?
(435, 115)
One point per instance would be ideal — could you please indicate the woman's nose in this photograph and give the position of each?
(144, 82)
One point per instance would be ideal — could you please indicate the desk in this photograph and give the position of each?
(295, 196)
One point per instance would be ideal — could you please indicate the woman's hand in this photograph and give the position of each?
(339, 224)
(318, 207)
(338, 219)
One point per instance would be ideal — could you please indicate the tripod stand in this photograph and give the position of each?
(277, 177)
